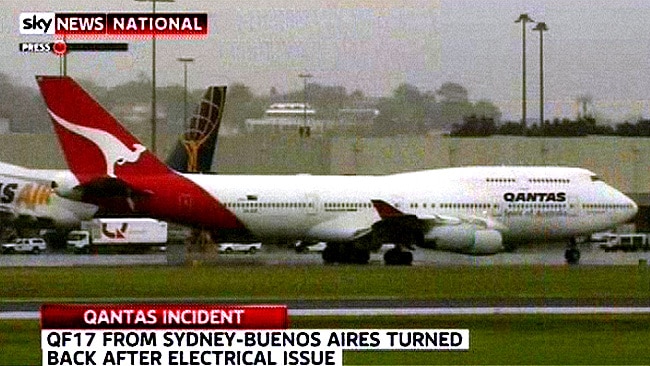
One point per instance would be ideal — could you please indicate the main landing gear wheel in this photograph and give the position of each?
(330, 253)
(396, 257)
(345, 253)
(572, 254)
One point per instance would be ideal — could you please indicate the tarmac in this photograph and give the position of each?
(551, 254)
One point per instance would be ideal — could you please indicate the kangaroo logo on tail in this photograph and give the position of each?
(114, 151)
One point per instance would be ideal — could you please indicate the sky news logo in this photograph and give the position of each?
(114, 24)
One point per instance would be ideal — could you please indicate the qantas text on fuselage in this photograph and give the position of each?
(535, 197)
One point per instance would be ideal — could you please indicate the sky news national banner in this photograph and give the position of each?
(176, 25)
(207, 334)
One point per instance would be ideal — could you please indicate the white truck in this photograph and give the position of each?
(123, 235)
(24, 245)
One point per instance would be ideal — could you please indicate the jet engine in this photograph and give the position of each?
(465, 239)
(64, 185)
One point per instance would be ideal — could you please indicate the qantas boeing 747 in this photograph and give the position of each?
(474, 210)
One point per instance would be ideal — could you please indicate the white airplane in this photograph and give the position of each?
(474, 210)
(28, 197)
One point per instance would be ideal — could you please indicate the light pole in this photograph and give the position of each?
(185, 61)
(153, 77)
(305, 128)
(541, 27)
(523, 19)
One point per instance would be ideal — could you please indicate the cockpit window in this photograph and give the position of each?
(595, 178)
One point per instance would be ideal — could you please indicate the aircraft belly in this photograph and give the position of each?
(346, 226)
(549, 226)
(286, 226)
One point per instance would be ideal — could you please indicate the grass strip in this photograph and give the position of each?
(508, 284)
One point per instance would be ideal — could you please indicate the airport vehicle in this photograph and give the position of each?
(600, 237)
(250, 248)
(473, 210)
(25, 245)
(626, 242)
(303, 247)
(115, 232)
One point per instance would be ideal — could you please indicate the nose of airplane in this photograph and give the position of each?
(634, 208)
(627, 208)
(631, 208)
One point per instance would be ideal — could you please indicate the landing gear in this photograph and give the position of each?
(572, 254)
(345, 253)
(509, 247)
(397, 256)
(409, 240)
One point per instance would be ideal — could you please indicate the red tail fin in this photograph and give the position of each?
(107, 159)
(94, 143)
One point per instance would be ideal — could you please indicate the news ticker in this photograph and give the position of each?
(114, 24)
(208, 334)
(61, 47)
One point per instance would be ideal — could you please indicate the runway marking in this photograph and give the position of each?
(19, 315)
(469, 311)
(33, 315)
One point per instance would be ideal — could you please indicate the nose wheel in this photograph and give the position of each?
(398, 257)
(572, 253)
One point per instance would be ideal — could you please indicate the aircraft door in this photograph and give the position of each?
(573, 208)
(523, 182)
(496, 208)
(313, 204)
(398, 202)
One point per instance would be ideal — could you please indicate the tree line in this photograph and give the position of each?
(473, 126)
(408, 110)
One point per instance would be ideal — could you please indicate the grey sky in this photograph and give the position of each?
(594, 47)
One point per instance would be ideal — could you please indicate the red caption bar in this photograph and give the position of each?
(163, 316)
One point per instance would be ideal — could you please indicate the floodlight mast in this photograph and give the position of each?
(523, 19)
(304, 129)
(185, 61)
(153, 76)
(541, 27)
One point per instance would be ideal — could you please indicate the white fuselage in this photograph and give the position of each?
(27, 194)
(523, 203)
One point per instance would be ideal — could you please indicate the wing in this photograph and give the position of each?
(467, 234)
(389, 212)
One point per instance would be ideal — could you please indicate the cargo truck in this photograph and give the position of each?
(118, 235)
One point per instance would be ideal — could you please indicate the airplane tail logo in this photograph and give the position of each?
(94, 143)
(195, 149)
(114, 151)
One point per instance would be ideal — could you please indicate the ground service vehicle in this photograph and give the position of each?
(250, 248)
(626, 243)
(25, 245)
(129, 234)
